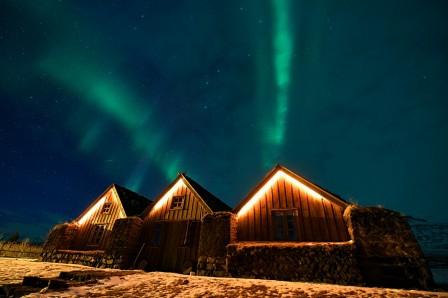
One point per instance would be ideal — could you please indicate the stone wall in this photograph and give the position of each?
(92, 258)
(217, 231)
(61, 237)
(120, 252)
(306, 262)
(382, 252)
(124, 242)
(388, 253)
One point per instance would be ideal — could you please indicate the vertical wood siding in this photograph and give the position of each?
(317, 219)
(173, 254)
(82, 239)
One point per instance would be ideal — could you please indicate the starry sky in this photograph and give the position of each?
(352, 95)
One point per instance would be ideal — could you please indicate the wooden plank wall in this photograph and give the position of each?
(83, 237)
(192, 209)
(318, 220)
(185, 254)
(191, 214)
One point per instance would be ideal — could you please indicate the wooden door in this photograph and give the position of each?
(178, 250)
(172, 234)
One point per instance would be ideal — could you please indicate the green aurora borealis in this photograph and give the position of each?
(351, 95)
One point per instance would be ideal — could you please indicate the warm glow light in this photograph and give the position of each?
(274, 179)
(297, 183)
(173, 189)
(91, 211)
(261, 192)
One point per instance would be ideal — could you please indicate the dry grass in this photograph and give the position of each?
(23, 249)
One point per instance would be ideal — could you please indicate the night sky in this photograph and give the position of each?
(352, 95)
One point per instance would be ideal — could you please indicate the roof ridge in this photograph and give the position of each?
(214, 203)
(133, 202)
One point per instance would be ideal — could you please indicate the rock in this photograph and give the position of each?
(55, 284)
(34, 281)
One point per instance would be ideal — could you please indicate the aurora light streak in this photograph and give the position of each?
(282, 44)
(107, 94)
(283, 48)
(351, 95)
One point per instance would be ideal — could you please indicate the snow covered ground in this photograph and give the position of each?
(160, 284)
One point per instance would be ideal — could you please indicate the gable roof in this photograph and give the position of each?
(314, 187)
(210, 201)
(213, 202)
(132, 202)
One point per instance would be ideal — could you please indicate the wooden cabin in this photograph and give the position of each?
(286, 207)
(171, 228)
(97, 221)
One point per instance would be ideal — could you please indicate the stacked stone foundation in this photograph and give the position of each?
(119, 254)
(124, 242)
(306, 262)
(92, 258)
(382, 252)
(387, 251)
(212, 266)
(61, 237)
(217, 231)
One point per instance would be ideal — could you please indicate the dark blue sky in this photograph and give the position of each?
(352, 95)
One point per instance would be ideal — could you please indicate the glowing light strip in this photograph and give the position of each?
(274, 179)
(297, 183)
(91, 211)
(165, 198)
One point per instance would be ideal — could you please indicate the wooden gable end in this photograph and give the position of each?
(285, 207)
(96, 222)
(179, 202)
(171, 228)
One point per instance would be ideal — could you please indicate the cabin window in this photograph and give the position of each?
(157, 234)
(285, 224)
(106, 208)
(178, 202)
(98, 233)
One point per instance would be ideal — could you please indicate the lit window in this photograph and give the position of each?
(178, 202)
(285, 224)
(106, 208)
(98, 233)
